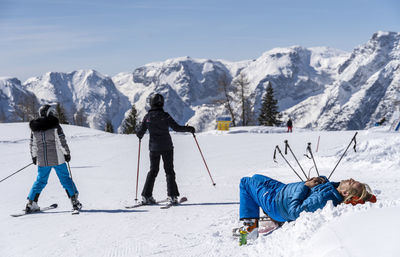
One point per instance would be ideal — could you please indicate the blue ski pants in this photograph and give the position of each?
(259, 191)
(43, 176)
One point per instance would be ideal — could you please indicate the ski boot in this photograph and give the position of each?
(173, 200)
(249, 231)
(148, 200)
(76, 205)
(31, 206)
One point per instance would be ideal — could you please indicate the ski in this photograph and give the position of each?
(262, 231)
(169, 205)
(75, 212)
(266, 227)
(53, 206)
(141, 204)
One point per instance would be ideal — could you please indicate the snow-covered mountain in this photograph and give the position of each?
(297, 74)
(368, 85)
(16, 103)
(190, 87)
(318, 87)
(87, 92)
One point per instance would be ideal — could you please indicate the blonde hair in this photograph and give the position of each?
(364, 195)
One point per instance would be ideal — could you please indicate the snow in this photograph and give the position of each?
(104, 169)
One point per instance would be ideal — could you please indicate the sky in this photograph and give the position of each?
(38, 36)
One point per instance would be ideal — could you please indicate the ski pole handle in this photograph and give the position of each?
(355, 143)
(286, 146)
(294, 156)
(280, 152)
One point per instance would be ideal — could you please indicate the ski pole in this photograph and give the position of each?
(279, 150)
(70, 175)
(288, 146)
(16, 172)
(137, 176)
(312, 156)
(354, 147)
(194, 136)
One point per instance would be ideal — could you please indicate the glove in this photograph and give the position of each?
(191, 129)
(67, 157)
(34, 160)
(140, 138)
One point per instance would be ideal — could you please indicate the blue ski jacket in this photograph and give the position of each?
(283, 202)
(295, 198)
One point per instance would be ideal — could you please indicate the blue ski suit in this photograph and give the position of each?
(283, 202)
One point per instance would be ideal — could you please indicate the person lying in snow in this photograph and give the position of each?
(284, 202)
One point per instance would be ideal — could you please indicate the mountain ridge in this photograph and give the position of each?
(318, 87)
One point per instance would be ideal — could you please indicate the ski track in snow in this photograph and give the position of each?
(104, 169)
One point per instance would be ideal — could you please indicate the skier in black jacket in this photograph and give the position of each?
(158, 122)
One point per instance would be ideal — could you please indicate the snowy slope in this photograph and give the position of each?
(104, 169)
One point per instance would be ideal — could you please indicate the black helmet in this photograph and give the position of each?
(46, 110)
(157, 101)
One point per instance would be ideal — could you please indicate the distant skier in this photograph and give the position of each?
(284, 202)
(158, 122)
(289, 125)
(49, 150)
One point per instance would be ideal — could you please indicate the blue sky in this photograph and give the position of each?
(37, 36)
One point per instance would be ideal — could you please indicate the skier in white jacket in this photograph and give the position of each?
(49, 149)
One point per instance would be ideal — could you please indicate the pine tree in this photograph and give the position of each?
(269, 115)
(60, 114)
(129, 125)
(109, 127)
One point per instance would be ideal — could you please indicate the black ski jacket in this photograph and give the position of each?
(158, 122)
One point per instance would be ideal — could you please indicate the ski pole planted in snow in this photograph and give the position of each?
(354, 147)
(312, 157)
(16, 172)
(279, 150)
(137, 176)
(70, 175)
(194, 136)
(286, 147)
